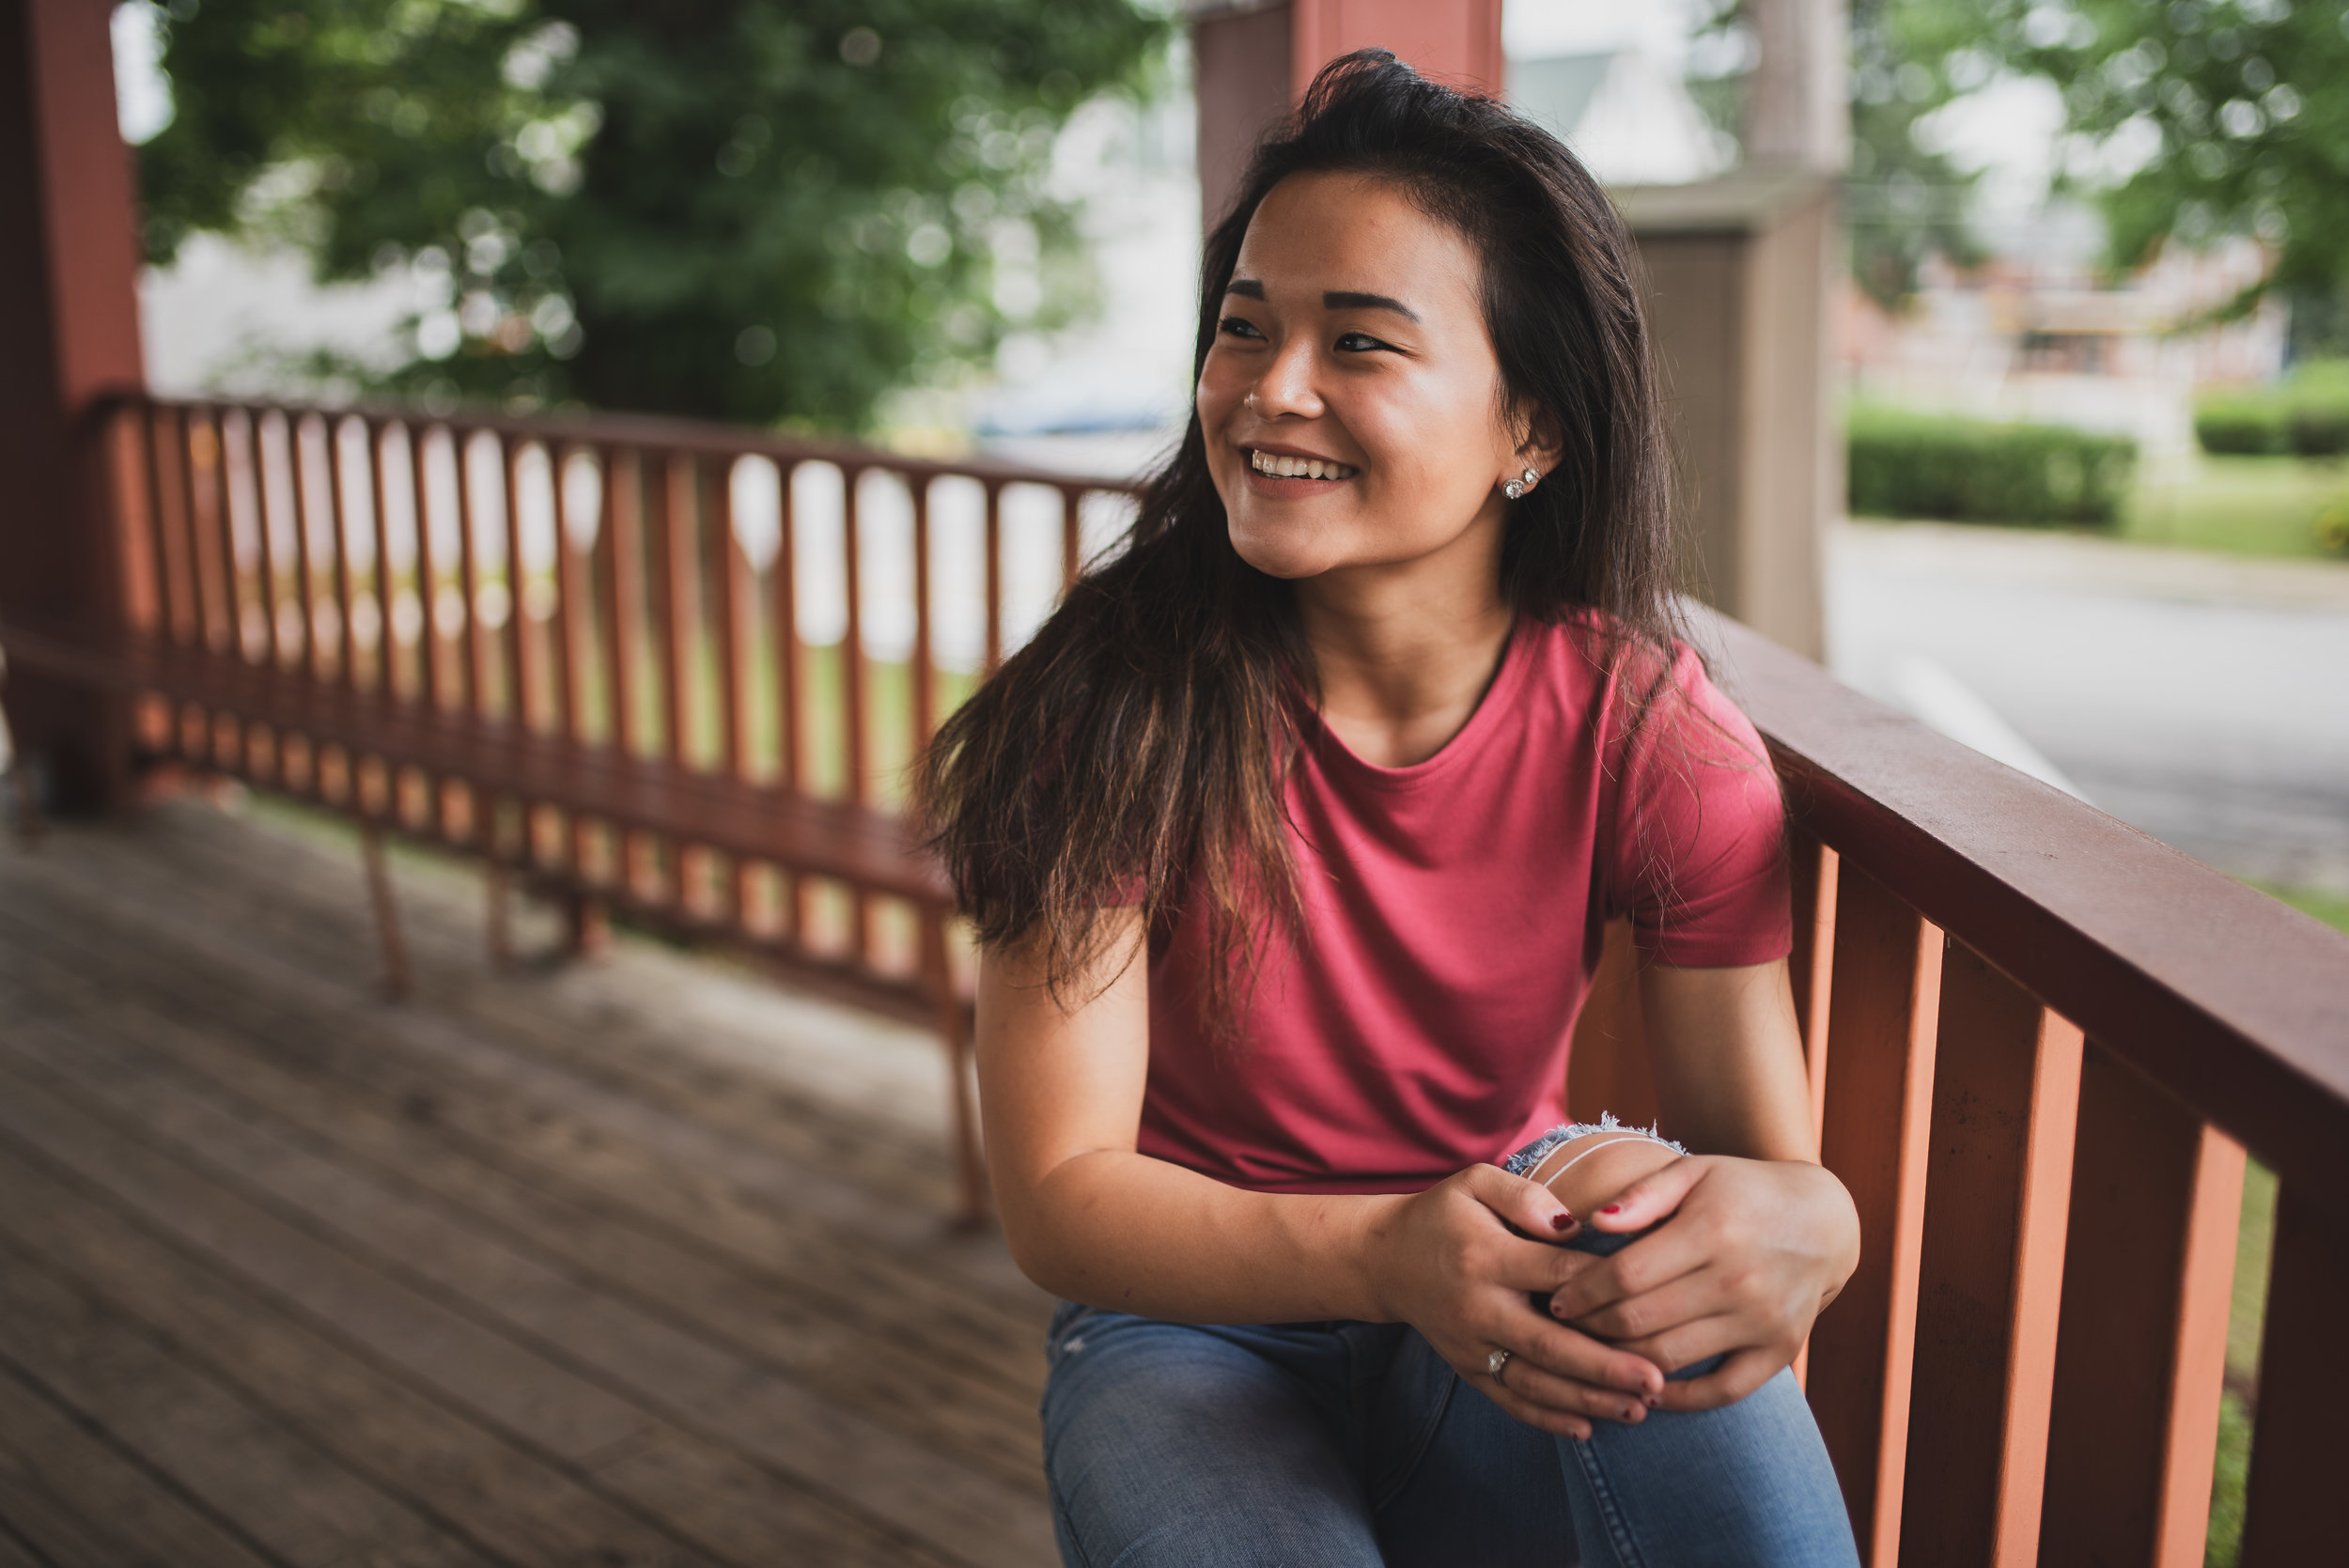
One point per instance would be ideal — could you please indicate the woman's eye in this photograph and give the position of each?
(1358, 342)
(1237, 326)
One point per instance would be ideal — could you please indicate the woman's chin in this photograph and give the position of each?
(1287, 559)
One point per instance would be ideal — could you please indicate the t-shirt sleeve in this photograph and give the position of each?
(1698, 853)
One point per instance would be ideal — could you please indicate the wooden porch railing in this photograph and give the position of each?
(2039, 1041)
(665, 669)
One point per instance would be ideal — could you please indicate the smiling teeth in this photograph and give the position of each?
(1297, 468)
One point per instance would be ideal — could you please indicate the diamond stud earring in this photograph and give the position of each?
(1515, 488)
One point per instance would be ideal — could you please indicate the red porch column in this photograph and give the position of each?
(1256, 59)
(69, 331)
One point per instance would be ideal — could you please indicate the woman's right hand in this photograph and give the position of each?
(1446, 1262)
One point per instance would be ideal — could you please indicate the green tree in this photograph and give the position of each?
(1903, 201)
(1906, 201)
(2202, 118)
(771, 211)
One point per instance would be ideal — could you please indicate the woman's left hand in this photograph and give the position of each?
(1748, 1252)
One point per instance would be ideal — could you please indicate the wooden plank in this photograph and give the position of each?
(514, 1504)
(883, 1262)
(944, 1399)
(770, 1153)
(1879, 1100)
(295, 1503)
(1811, 964)
(516, 1388)
(2294, 1509)
(2005, 1100)
(79, 1498)
(614, 1153)
(696, 1384)
(2140, 1351)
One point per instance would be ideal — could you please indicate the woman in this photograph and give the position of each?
(1290, 839)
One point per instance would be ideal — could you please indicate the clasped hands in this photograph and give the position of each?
(1745, 1254)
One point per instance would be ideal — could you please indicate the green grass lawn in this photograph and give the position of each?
(2244, 506)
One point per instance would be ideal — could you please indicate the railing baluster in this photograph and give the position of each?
(574, 615)
(722, 573)
(673, 550)
(1811, 964)
(574, 608)
(2005, 1102)
(297, 487)
(387, 655)
(622, 540)
(852, 688)
(994, 547)
(2140, 1353)
(476, 661)
(432, 671)
(1071, 537)
(236, 455)
(924, 671)
(164, 508)
(674, 545)
(522, 686)
(2293, 1513)
(347, 671)
(208, 520)
(790, 681)
(1879, 1089)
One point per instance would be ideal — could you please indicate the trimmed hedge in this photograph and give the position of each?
(1914, 465)
(2306, 414)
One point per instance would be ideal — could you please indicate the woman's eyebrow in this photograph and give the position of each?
(1342, 298)
(1336, 298)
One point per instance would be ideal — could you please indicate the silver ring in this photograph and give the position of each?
(1497, 1363)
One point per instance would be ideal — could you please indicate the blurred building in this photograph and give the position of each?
(1624, 112)
(2034, 333)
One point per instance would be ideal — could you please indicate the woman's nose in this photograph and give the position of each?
(1286, 386)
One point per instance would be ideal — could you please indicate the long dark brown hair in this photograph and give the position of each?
(1133, 752)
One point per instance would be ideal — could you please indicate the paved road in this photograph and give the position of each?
(2202, 699)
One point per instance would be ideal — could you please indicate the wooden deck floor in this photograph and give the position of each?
(630, 1262)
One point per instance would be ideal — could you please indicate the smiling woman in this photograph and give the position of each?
(1290, 839)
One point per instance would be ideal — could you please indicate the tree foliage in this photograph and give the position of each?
(1903, 201)
(1907, 201)
(750, 209)
(2206, 117)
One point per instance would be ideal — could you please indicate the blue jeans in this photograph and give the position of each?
(1352, 1445)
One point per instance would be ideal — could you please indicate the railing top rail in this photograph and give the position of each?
(2231, 1000)
(652, 432)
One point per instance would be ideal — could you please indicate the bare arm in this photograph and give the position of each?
(1089, 1218)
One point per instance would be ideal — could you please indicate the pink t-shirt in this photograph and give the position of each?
(1453, 912)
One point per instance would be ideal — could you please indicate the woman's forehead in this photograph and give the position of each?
(1355, 233)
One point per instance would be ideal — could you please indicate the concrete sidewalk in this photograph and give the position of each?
(2204, 698)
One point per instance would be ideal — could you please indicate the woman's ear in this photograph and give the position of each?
(1544, 441)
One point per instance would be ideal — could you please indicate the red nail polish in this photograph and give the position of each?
(1612, 1208)
(1562, 1221)
(1654, 1401)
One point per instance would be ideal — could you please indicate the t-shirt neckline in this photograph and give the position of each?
(1491, 711)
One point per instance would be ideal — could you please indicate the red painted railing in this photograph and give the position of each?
(2039, 1041)
(790, 614)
